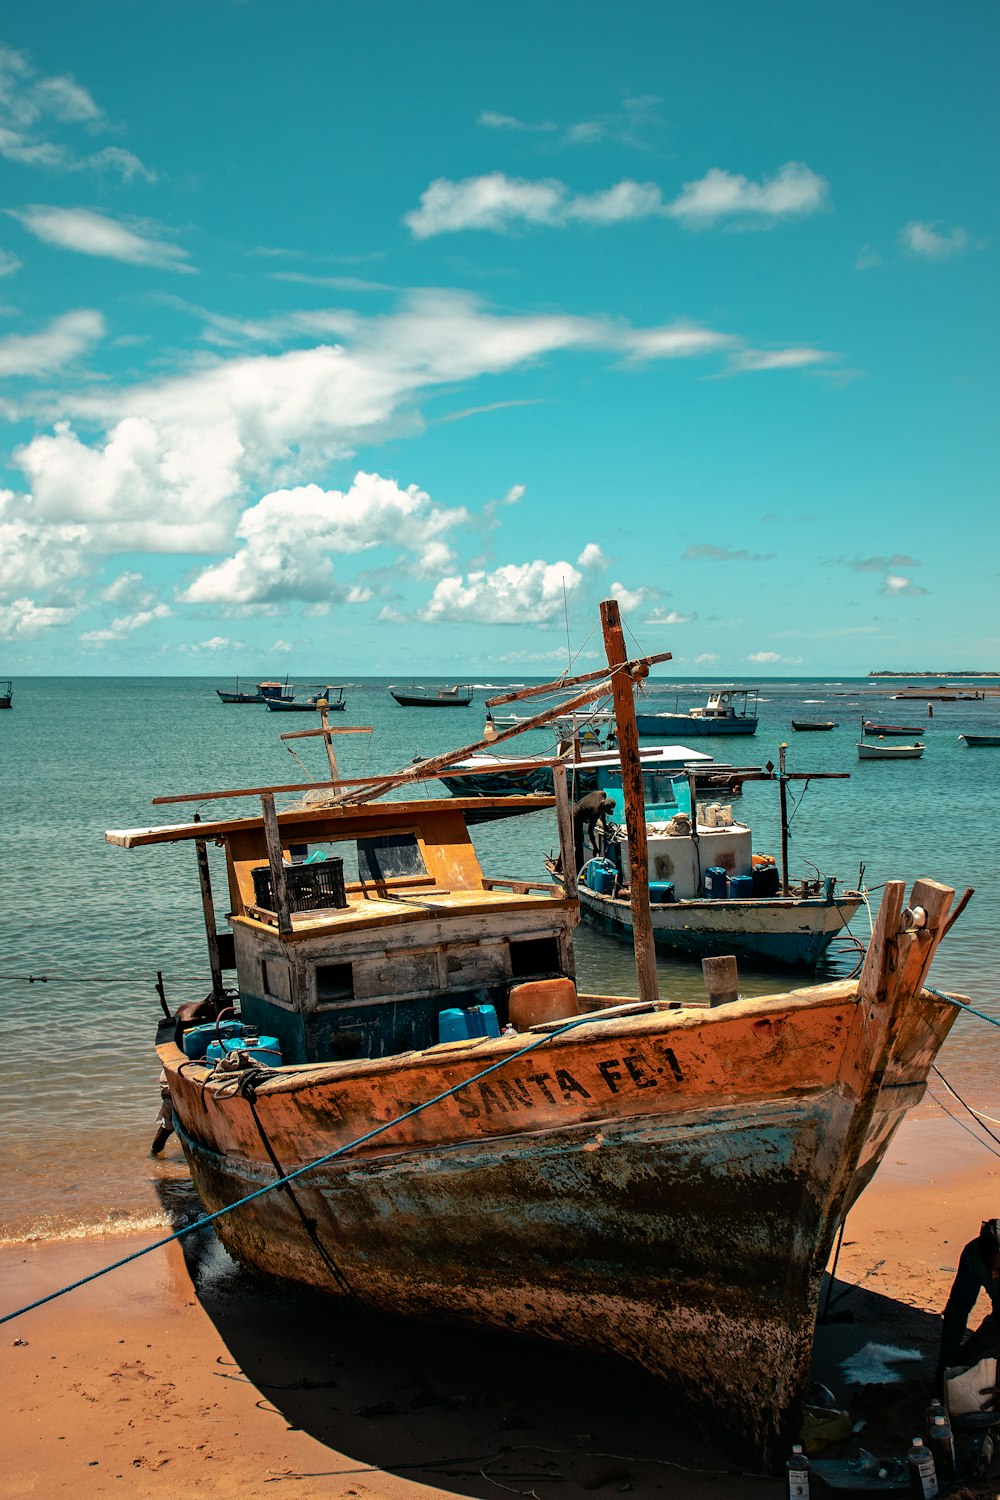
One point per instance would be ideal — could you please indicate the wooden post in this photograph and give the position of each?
(567, 843)
(208, 908)
(278, 888)
(324, 719)
(783, 797)
(635, 810)
(722, 980)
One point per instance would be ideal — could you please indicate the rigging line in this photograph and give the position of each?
(97, 978)
(961, 1004)
(310, 1166)
(301, 762)
(966, 1105)
(962, 1125)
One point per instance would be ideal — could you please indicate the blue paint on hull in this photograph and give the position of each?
(650, 725)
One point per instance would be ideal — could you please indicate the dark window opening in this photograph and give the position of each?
(388, 855)
(265, 986)
(535, 956)
(334, 982)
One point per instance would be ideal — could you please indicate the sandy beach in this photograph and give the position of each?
(178, 1375)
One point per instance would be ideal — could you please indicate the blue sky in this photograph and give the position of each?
(358, 338)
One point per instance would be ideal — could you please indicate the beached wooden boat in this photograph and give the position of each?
(459, 696)
(869, 750)
(805, 724)
(658, 1181)
(720, 715)
(6, 694)
(890, 731)
(333, 697)
(976, 740)
(263, 692)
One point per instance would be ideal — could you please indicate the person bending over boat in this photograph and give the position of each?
(591, 812)
(978, 1271)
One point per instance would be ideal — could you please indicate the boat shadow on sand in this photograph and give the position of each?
(469, 1410)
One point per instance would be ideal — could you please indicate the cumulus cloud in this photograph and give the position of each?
(895, 586)
(22, 619)
(705, 658)
(34, 108)
(930, 243)
(499, 203)
(179, 454)
(65, 339)
(771, 658)
(289, 535)
(515, 594)
(628, 599)
(35, 557)
(90, 233)
(125, 625)
(793, 190)
(670, 617)
(709, 552)
(591, 557)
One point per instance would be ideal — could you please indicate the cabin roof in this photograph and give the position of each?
(427, 812)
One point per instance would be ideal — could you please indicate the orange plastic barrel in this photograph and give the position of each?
(542, 1000)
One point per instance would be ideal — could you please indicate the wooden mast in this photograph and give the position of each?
(635, 812)
(208, 909)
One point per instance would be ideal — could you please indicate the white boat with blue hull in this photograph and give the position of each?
(719, 716)
(709, 893)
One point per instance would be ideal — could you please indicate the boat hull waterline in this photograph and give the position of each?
(588, 1193)
(670, 725)
(790, 932)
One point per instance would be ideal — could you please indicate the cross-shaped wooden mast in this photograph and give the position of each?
(327, 733)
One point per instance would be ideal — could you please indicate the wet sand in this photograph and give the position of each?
(177, 1375)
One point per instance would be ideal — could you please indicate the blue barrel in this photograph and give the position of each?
(195, 1041)
(765, 880)
(602, 876)
(453, 1026)
(741, 887)
(482, 1020)
(716, 883)
(661, 892)
(262, 1049)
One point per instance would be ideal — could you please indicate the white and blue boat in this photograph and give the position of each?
(709, 893)
(720, 715)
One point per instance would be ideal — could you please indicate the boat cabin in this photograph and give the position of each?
(387, 920)
(722, 704)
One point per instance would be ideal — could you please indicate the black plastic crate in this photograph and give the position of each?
(309, 887)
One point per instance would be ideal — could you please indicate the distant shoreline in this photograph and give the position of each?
(949, 675)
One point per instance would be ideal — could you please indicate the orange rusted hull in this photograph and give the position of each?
(663, 1186)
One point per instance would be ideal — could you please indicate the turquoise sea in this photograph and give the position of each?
(79, 1077)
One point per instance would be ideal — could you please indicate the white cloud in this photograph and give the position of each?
(128, 588)
(33, 107)
(794, 189)
(66, 337)
(591, 557)
(515, 594)
(712, 552)
(628, 599)
(9, 263)
(677, 340)
(500, 203)
(289, 535)
(670, 617)
(125, 625)
(89, 233)
(35, 557)
(23, 619)
(705, 658)
(494, 121)
(930, 243)
(771, 658)
(777, 359)
(895, 586)
(179, 454)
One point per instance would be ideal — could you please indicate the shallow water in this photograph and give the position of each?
(79, 1078)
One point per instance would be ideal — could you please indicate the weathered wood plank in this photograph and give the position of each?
(873, 982)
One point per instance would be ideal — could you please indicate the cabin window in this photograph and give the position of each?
(334, 982)
(535, 956)
(390, 855)
(264, 984)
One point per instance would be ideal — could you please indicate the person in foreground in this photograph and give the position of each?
(978, 1270)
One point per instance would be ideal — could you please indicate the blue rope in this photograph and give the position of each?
(299, 1172)
(961, 1005)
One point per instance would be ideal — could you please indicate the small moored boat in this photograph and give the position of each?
(263, 692)
(332, 697)
(804, 724)
(459, 696)
(720, 715)
(870, 750)
(975, 741)
(6, 694)
(891, 731)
